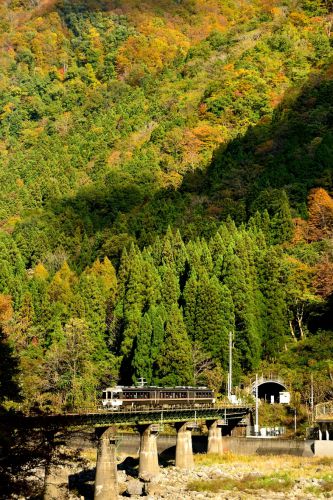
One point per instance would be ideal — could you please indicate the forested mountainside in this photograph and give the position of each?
(166, 177)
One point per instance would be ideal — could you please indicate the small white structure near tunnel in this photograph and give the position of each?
(284, 397)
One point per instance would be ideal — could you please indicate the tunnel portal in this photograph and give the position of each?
(270, 391)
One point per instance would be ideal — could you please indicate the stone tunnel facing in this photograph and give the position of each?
(270, 391)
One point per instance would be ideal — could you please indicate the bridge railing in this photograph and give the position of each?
(138, 409)
(153, 409)
(323, 410)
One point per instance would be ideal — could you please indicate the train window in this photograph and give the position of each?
(202, 394)
(166, 395)
(127, 395)
(108, 395)
(143, 395)
(115, 395)
(104, 394)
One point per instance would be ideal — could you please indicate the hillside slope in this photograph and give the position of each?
(195, 135)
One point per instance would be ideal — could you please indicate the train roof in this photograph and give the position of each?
(153, 388)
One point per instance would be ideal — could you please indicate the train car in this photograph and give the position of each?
(161, 397)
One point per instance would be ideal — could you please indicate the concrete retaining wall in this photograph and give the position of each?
(323, 448)
(267, 446)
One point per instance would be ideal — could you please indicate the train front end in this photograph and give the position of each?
(112, 398)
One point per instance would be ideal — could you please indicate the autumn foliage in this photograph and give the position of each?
(155, 162)
(320, 206)
(6, 309)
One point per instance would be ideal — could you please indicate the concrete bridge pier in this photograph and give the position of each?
(106, 481)
(327, 432)
(148, 457)
(51, 490)
(184, 451)
(215, 444)
(324, 432)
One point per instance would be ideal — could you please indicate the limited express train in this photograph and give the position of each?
(163, 397)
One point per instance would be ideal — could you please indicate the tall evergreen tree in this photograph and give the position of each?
(167, 249)
(190, 297)
(157, 316)
(214, 317)
(206, 257)
(281, 223)
(179, 253)
(142, 363)
(276, 316)
(174, 363)
(170, 289)
(217, 247)
(247, 339)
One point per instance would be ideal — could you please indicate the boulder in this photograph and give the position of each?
(134, 487)
(154, 490)
(150, 478)
(122, 482)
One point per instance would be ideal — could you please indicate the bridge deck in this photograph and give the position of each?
(129, 416)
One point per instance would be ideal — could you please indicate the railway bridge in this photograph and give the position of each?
(323, 417)
(148, 422)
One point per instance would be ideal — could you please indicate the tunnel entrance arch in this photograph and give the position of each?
(269, 389)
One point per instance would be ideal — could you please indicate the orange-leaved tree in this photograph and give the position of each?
(320, 214)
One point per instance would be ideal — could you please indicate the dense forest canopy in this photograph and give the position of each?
(166, 178)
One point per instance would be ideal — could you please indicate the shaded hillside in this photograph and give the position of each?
(293, 152)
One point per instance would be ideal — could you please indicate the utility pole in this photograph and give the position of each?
(256, 425)
(230, 366)
(312, 399)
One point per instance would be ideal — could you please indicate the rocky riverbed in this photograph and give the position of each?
(231, 477)
(219, 477)
(236, 480)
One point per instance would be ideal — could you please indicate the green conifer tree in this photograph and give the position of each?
(217, 247)
(206, 257)
(282, 226)
(247, 338)
(214, 317)
(174, 363)
(190, 297)
(156, 251)
(276, 315)
(193, 249)
(142, 364)
(179, 253)
(157, 316)
(170, 289)
(167, 249)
